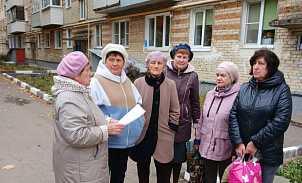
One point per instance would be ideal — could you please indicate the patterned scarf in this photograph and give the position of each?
(66, 84)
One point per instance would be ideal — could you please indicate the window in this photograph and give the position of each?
(67, 3)
(35, 5)
(82, 9)
(157, 31)
(69, 36)
(58, 39)
(257, 31)
(16, 13)
(46, 3)
(39, 40)
(98, 36)
(121, 32)
(201, 32)
(47, 40)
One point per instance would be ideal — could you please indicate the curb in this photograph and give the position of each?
(293, 151)
(48, 98)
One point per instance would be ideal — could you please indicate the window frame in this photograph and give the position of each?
(48, 3)
(39, 40)
(68, 3)
(58, 41)
(127, 34)
(244, 30)
(147, 28)
(82, 9)
(69, 35)
(98, 37)
(192, 29)
(46, 39)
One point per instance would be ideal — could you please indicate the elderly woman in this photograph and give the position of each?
(162, 114)
(182, 72)
(115, 95)
(80, 128)
(212, 131)
(261, 113)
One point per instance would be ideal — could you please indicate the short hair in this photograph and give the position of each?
(183, 51)
(114, 53)
(271, 59)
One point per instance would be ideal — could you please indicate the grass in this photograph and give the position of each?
(17, 66)
(291, 170)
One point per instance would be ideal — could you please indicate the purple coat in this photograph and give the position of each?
(187, 86)
(213, 126)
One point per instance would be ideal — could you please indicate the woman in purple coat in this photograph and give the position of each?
(212, 131)
(182, 72)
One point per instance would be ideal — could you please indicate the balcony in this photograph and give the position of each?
(36, 20)
(50, 17)
(12, 3)
(111, 6)
(292, 23)
(17, 27)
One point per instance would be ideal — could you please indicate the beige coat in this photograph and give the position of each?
(168, 111)
(80, 146)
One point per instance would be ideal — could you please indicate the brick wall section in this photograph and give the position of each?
(180, 23)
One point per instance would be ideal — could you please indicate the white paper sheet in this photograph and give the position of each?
(135, 113)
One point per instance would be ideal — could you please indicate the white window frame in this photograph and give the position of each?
(35, 4)
(69, 35)
(98, 28)
(47, 40)
(119, 33)
(147, 22)
(39, 40)
(244, 25)
(68, 3)
(82, 9)
(58, 39)
(47, 3)
(192, 29)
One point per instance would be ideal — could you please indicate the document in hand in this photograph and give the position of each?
(135, 113)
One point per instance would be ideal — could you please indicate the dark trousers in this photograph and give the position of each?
(211, 169)
(118, 159)
(163, 171)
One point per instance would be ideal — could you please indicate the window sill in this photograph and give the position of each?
(201, 49)
(156, 49)
(258, 46)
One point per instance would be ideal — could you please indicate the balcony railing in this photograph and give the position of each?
(16, 27)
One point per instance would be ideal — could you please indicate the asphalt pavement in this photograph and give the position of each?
(26, 134)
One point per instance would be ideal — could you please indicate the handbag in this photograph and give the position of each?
(245, 172)
(194, 164)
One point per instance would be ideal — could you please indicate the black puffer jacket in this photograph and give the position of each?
(261, 113)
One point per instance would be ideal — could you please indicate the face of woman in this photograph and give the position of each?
(115, 64)
(156, 68)
(85, 76)
(223, 79)
(260, 69)
(181, 60)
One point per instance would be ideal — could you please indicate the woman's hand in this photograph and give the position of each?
(251, 149)
(113, 121)
(240, 150)
(115, 128)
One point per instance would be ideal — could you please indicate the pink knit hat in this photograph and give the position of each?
(231, 69)
(72, 64)
(156, 56)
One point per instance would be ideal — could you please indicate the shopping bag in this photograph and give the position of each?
(195, 166)
(245, 172)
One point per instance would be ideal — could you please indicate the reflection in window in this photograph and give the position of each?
(258, 31)
(158, 29)
(203, 28)
(121, 33)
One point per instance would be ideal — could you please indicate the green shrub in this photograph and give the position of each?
(291, 170)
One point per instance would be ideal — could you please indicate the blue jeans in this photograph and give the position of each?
(268, 172)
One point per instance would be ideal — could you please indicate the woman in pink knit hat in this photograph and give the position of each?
(212, 136)
(80, 143)
(160, 101)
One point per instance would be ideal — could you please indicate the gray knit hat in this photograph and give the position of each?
(231, 69)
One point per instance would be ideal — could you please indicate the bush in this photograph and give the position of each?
(132, 72)
(292, 170)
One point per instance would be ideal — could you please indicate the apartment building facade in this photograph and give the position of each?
(3, 27)
(216, 30)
